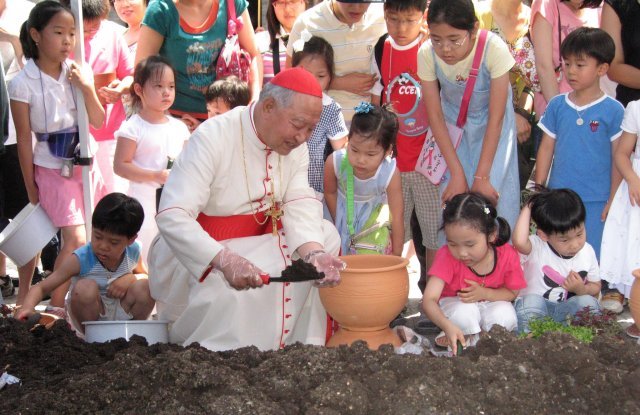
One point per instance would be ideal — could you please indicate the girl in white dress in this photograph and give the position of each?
(620, 251)
(150, 140)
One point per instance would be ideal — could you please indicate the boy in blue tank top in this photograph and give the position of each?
(108, 278)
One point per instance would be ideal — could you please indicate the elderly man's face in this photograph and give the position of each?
(291, 126)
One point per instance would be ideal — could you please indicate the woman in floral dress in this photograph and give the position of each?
(510, 19)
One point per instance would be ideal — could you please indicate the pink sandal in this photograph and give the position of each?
(633, 331)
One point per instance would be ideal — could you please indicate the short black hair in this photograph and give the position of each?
(95, 9)
(589, 41)
(379, 123)
(459, 14)
(151, 67)
(319, 47)
(477, 212)
(556, 210)
(231, 89)
(405, 5)
(118, 214)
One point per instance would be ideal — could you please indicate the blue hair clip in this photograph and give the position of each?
(363, 108)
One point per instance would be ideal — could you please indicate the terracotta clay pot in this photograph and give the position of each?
(372, 292)
(634, 300)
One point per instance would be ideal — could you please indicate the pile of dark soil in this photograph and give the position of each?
(502, 375)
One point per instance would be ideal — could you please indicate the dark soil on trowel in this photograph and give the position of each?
(503, 375)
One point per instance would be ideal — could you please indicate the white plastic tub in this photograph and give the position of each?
(155, 331)
(27, 234)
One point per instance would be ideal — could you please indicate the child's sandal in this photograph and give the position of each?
(633, 331)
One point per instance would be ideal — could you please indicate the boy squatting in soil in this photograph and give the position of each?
(109, 280)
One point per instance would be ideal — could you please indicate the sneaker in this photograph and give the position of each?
(6, 286)
(612, 301)
(37, 277)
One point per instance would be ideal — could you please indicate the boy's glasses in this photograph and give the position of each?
(451, 45)
(394, 21)
(283, 4)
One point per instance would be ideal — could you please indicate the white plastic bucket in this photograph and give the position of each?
(155, 331)
(27, 234)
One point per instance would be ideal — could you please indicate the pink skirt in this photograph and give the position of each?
(62, 198)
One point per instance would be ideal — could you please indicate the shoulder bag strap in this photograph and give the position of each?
(378, 51)
(276, 57)
(559, 37)
(471, 81)
(234, 24)
(346, 167)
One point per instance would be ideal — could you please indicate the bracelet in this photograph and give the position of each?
(481, 177)
(528, 91)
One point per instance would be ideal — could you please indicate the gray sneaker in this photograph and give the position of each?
(612, 301)
(6, 286)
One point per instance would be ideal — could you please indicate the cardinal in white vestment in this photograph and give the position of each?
(236, 205)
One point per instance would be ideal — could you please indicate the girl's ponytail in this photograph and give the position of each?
(29, 47)
(504, 231)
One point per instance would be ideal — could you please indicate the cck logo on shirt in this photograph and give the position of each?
(405, 94)
(406, 87)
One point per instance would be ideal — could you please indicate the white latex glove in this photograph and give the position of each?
(238, 271)
(327, 263)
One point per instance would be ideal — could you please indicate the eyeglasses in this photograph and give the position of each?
(451, 45)
(394, 21)
(283, 4)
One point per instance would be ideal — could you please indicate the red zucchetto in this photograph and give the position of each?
(299, 80)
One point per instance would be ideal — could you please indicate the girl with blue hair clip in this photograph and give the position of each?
(362, 185)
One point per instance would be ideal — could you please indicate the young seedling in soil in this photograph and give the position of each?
(602, 323)
(583, 326)
(541, 326)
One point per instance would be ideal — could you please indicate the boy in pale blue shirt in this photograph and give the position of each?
(580, 130)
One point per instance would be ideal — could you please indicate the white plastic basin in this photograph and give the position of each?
(155, 331)
(27, 234)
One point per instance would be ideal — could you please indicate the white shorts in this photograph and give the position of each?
(472, 318)
(113, 311)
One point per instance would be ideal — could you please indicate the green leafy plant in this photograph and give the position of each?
(543, 325)
(603, 323)
(584, 326)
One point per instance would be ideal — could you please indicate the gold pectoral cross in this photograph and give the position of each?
(275, 212)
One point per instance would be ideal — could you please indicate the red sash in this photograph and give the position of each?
(236, 226)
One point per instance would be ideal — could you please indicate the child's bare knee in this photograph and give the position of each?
(139, 294)
(85, 291)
